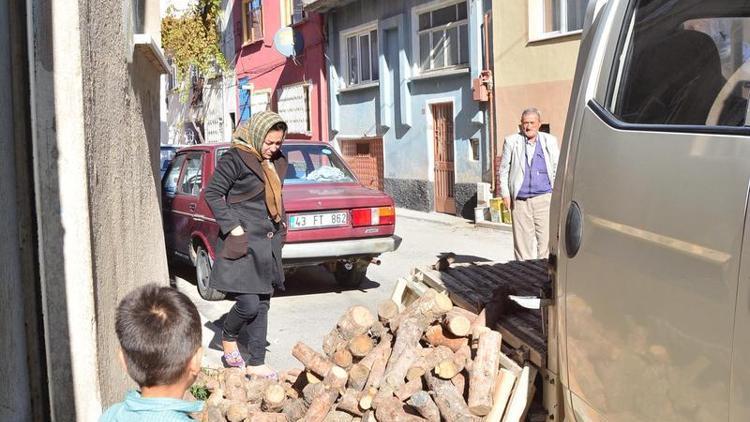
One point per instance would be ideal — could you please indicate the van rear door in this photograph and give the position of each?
(655, 185)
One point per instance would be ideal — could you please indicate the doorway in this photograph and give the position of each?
(442, 127)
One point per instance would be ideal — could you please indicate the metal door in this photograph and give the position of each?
(655, 180)
(365, 157)
(442, 127)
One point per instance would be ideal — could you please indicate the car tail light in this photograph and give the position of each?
(373, 216)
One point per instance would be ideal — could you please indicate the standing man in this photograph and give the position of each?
(527, 174)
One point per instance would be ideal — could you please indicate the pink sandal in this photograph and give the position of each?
(234, 359)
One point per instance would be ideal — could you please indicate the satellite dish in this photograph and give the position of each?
(288, 42)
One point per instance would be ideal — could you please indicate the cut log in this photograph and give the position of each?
(426, 309)
(360, 345)
(311, 378)
(312, 360)
(358, 374)
(338, 416)
(425, 406)
(404, 350)
(215, 398)
(397, 373)
(408, 389)
(463, 357)
(333, 384)
(267, 417)
(479, 321)
(357, 320)
(428, 361)
(378, 330)
(459, 380)
(456, 323)
(387, 310)
(379, 357)
(273, 398)
(237, 412)
(484, 372)
(294, 409)
(503, 387)
(447, 369)
(349, 402)
(436, 336)
(332, 342)
(385, 342)
(385, 392)
(343, 358)
(311, 391)
(471, 316)
(365, 402)
(448, 399)
(213, 414)
(392, 410)
(368, 416)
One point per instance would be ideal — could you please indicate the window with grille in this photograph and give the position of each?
(443, 37)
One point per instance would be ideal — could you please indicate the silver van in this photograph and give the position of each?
(651, 262)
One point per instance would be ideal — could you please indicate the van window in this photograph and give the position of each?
(191, 179)
(169, 183)
(684, 63)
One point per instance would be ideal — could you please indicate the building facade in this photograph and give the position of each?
(401, 97)
(280, 65)
(80, 150)
(535, 48)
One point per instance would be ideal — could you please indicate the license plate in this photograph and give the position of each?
(313, 221)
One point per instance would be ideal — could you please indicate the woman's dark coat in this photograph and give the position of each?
(236, 197)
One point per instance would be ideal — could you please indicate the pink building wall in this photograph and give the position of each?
(266, 68)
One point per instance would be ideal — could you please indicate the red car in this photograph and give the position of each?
(332, 219)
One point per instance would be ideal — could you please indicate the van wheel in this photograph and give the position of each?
(350, 277)
(203, 274)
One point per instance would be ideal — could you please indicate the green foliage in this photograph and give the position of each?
(200, 392)
(191, 39)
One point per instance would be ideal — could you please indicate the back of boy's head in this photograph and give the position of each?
(159, 330)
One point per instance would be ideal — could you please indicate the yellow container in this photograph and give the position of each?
(498, 212)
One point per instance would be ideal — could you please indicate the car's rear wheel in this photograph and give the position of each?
(350, 274)
(203, 275)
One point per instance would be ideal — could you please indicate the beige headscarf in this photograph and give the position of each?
(249, 137)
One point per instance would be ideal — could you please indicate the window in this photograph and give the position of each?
(363, 148)
(315, 164)
(292, 12)
(555, 17)
(474, 147)
(191, 179)
(252, 20)
(694, 73)
(259, 101)
(294, 107)
(443, 37)
(169, 183)
(361, 56)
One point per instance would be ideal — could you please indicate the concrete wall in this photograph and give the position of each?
(398, 108)
(122, 150)
(538, 74)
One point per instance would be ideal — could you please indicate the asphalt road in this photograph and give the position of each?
(313, 302)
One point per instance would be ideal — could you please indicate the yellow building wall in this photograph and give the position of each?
(529, 74)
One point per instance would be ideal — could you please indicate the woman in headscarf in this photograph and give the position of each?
(245, 197)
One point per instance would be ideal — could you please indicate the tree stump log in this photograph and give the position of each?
(343, 358)
(436, 336)
(338, 416)
(332, 342)
(385, 342)
(267, 417)
(424, 404)
(294, 409)
(387, 310)
(448, 399)
(425, 309)
(448, 369)
(392, 410)
(459, 380)
(408, 389)
(311, 391)
(456, 323)
(380, 357)
(273, 398)
(358, 374)
(333, 384)
(312, 360)
(428, 361)
(484, 372)
(349, 402)
(356, 320)
(237, 412)
(360, 345)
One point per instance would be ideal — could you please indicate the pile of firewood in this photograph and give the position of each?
(432, 361)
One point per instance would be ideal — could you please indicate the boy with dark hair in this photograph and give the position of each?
(159, 330)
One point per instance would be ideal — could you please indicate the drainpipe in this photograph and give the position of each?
(491, 93)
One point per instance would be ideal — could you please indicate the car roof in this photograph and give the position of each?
(218, 145)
